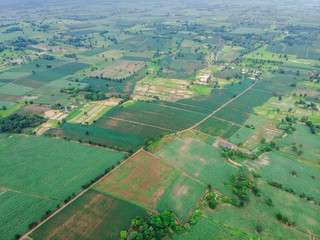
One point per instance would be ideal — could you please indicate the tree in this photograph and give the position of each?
(133, 234)
(123, 235)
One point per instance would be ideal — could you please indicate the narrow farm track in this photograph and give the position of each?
(31, 194)
(42, 71)
(217, 110)
(228, 121)
(26, 235)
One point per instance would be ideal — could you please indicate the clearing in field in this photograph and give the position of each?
(91, 112)
(55, 115)
(268, 131)
(250, 126)
(119, 69)
(94, 215)
(142, 180)
(168, 89)
(276, 109)
(199, 160)
(183, 195)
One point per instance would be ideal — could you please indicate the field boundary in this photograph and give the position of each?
(175, 167)
(31, 194)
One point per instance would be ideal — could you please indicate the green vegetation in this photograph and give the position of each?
(62, 167)
(199, 160)
(17, 123)
(217, 103)
(182, 196)
(18, 211)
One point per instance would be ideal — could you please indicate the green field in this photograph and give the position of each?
(244, 133)
(218, 128)
(182, 196)
(7, 104)
(199, 160)
(99, 215)
(156, 115)
(103, 136)
(18, 210)
(61, 167)
(14, 89)
(256, 212)
(210, 229)
(277, 168)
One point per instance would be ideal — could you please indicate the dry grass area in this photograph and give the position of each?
(93, 111)
(55, 115)
(163, 88)
(268, 131)
(119, 69)
(143, 179)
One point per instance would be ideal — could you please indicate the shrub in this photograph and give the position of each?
(259, 228)
(279, 216)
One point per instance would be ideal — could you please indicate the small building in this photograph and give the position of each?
(225, 145)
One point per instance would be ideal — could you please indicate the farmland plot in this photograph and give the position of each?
(199, 160)
(94, 215)
(62, 167)
(181, 197)
(142, 180)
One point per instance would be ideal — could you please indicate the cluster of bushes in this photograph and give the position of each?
(211, 199)
(120, 80)
(275, 184)
(297, 150)
(285, 220)
(70, 55)
(236, 154)
(312, 127)
(290, 190)
(159, 226)
(57, 106)
(238, 184)
(95, 96)
(250, 126)
(155, 227)
(304, 196)
(287, 124)
(13, 29)
(16, 123)
(48, 57)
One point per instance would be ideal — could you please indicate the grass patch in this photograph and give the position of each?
(182, 196)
